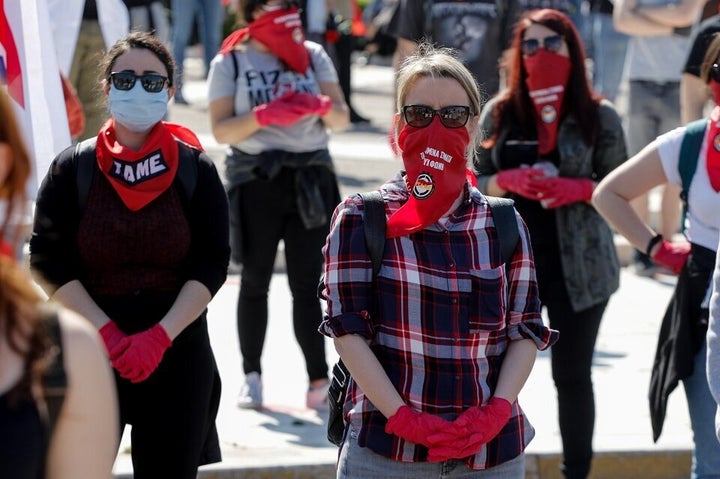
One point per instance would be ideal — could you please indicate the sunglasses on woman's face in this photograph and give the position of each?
(530, 46)
(420, 116)
(151, 82)
(715, 72)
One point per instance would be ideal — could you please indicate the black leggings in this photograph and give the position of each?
(269, 214)
(571, 369)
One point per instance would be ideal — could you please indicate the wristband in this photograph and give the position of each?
(651, 244)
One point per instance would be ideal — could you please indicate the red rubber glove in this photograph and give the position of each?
(556, 192)
(520, 180)
(142, 354)
(415, 426)
(470, 431)
(112, 335)
(281, 111)
(672, 255)
(313, 104)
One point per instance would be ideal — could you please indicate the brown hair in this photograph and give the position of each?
(19, 300)
(580, 100)
(247, 7)
(140, 40)
(712, 56)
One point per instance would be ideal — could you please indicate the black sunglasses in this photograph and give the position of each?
(151, 82)
(530, 46)
(420, 116)
(714, 72)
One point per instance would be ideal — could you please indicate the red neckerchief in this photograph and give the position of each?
(435, 174)
(281, 32)
(547, 77)
(138, 177)
(712, 155)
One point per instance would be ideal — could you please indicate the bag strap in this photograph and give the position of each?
(84, 158)
(503, 213)
(687, 164)
(374, 227)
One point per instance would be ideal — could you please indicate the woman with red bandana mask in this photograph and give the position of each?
(550, 138)
(38, 340)
(681, 348)
(273, 98)
(440, 342)
(141, 253)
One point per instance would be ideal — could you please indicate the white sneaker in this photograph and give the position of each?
(317, 397)
(251, 392)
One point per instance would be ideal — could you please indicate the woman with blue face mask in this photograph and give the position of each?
(141, 256)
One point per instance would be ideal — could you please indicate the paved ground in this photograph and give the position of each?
(285, 440)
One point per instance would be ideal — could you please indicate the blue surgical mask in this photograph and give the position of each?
(137, 109)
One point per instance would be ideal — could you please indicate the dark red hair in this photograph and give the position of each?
(580, 99)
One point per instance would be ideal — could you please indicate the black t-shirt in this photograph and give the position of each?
(90, 10)
(479, 29)
(699, 44)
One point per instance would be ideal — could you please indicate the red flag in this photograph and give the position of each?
(13, 73)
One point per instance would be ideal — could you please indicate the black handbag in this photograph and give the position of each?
(374, 224)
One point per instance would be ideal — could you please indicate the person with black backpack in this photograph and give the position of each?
(440, 341)
(131, 231)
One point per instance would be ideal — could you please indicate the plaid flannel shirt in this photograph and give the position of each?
(438, 318)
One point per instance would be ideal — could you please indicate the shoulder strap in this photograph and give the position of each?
(689, 151)
(503, 214)
(375, 226)
(84, 157)
(187, 172)
(687, 163)
(54, 380)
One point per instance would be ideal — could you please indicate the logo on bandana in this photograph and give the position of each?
(716, 143)
(136, 172)
(297, 36)
(423, 187)
(548, 113)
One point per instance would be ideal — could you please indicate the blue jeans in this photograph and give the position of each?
(702, 406)
(356, 461)
(210, 28)
(609, 48)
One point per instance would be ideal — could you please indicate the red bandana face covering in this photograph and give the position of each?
(138, 177)
(435, 167)
(281, 31)
(547, 78)
(712, 155)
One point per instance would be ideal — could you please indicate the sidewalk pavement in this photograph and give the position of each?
(285, 440)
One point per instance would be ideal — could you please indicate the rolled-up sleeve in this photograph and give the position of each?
(348, 274)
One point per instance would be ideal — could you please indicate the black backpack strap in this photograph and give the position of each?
(54, 378)
(187, 172)
(84, 158)
(374, 227)
(503, 213)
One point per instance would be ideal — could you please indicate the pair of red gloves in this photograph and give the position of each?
(446, 440)
(290, 107)
(135, 356)
(553, 191)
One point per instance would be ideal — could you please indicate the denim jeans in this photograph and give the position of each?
(702, 406)
(609, 48)
(356, 461)
(210, 28)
